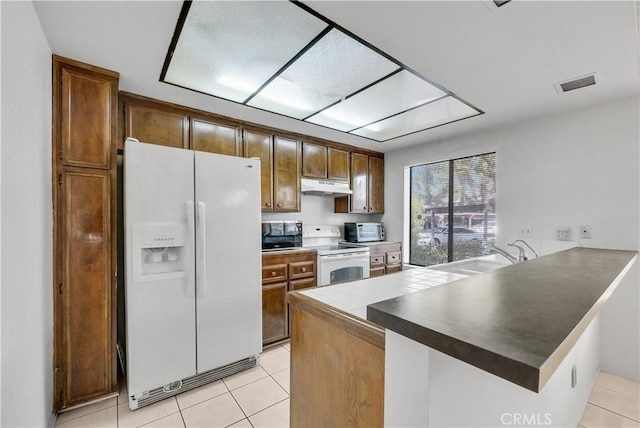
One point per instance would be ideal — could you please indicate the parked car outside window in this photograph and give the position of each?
(441, 236)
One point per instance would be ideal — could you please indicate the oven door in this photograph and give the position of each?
(343, 267)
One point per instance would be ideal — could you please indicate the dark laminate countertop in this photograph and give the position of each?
(517, 322)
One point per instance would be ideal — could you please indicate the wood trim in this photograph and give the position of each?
(362, 329)
(139, 99)
(84, 66)
(62, 396)
(337, 379)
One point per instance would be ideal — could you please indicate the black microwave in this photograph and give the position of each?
(281, 234)
(363, 232)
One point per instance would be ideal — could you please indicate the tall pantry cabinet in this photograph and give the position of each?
(84, 205)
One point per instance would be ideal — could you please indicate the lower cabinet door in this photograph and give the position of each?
(394, 268)
(275, 323)
(85, 332)
(378, 271)
(301, 284)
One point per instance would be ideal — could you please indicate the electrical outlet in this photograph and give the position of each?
(585, 232)
(526, 232)
(564, 233)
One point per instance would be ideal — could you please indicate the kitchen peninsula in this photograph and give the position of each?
(496, 343)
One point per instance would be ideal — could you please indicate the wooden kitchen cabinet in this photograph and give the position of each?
(259, 144)
(283, 272)
(85, 129)
(85, 100)
(275, 315)
(314, 160)
(337, 367)
(215, 137)
(280, 169)
(385, 258)
(286, 174)
(376, 185)
(367, 184)
(338, 164)
(155, 123)
(324, 162)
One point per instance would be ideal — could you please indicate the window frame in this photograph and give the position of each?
(450, 203)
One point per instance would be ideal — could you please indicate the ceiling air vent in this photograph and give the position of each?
(577, 83)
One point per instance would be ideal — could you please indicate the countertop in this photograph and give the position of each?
(353, 297)
(517, 322)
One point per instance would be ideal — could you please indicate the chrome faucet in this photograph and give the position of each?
(522, 253)
(508, 256)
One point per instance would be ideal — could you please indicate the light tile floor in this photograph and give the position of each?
(258, 397)
(614, 402)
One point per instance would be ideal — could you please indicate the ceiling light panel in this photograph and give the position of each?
(437, 113)
(230, 49)
(333, 68)
(400, 92)
(283, 57)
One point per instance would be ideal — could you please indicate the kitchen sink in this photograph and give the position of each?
(471, 266)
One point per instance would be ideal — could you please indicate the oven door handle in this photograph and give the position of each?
(346, 255)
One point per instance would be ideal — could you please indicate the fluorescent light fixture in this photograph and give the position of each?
(285, 58)
(437, 113)
(395, 94)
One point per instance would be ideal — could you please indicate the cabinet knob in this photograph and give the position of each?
(273, 273)
(278, 205)
(268, 204)
(364, 208)
(303, 269)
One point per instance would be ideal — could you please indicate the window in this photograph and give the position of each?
(452, 209)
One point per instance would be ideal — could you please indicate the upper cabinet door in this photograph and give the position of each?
(338, 165)
(213, 137)
(359, 183)
(286, 174)
(260, 145)
(376, 185)
(88, 107)
(155, 126)
(314, 161)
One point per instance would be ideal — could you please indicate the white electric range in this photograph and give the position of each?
(336, 262)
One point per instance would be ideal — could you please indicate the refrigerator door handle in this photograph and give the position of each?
(190, 287)
(201, 249)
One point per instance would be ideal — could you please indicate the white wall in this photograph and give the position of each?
(577, 168)
(319, 210)
(25, 195)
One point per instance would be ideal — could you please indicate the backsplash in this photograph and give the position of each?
(319, 210)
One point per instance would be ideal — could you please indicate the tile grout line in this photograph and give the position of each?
(612, 411)
(618, 392)
(268, 407)
(241, 409)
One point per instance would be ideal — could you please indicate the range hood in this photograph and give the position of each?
(325, 187)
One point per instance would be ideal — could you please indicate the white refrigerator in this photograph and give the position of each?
(193, 268)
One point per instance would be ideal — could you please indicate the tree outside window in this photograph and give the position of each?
(453, 206)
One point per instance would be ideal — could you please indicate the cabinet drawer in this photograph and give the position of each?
(379, 271)
(274, 273)
(302, 284)
(301, 269)
(393, 258)
(377, 260)
(394, 268)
